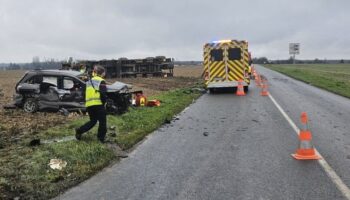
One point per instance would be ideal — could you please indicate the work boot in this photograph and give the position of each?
(77, 134)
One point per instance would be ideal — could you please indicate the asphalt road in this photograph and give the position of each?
(245, 155)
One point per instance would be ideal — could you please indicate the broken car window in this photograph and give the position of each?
(50, 79)
(68, 83)
(35, 80)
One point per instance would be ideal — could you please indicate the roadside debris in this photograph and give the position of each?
(254, 120)
(63, 139)
(117, 150)
(57, 164)
(112, 134)
(10, 106)
(153, 103)
(64, 112)
(112, 128)
(201, 90)
(205, 133)
(34, 142)
(140, 100)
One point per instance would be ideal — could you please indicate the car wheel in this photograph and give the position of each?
(30, 105)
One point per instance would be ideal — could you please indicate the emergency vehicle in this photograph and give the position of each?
(225, 63)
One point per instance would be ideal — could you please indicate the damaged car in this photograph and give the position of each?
(53, 90)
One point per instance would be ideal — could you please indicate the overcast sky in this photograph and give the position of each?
(106, 29)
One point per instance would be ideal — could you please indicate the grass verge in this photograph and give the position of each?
(25, 172)
(334, 78)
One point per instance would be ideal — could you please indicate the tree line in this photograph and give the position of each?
(264, 60)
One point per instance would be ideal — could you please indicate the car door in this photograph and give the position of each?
(73, 88)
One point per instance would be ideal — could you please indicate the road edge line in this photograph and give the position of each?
(324, 164)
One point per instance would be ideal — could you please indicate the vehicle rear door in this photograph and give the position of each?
(217, 60)
(235, 64)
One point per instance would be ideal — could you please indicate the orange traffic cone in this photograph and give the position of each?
(306, 151)
(240, 88)
(258, 81)
(264, 86)
(254, 75)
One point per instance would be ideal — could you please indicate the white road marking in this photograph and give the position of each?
(327, 168)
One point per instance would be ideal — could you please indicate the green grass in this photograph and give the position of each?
(25, 172)
(332, 77)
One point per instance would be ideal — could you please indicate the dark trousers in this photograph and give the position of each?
(96, 113)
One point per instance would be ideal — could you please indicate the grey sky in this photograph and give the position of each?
(87, 29)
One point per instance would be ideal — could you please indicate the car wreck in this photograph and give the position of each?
(52, 90)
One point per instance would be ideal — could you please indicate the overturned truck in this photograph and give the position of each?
(124, 67)
(53, 90)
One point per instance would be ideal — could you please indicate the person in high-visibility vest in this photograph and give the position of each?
(82, 69)
(95, 99)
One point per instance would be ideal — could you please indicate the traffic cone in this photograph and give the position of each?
(306, 151)
(264, 86)
(258, 80)
(240, 88)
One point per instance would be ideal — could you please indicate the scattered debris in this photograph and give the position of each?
(256, 121)
(242, 129)
(122, 154)
(34, 142)
(152, 103)
(112, 128)
(57, 164)
(140, 99)
(201, 90)
(63, 139)
(10, 106)
(64, 112)
(205, 133)
(187, 91)
(112, 134)
(167, 121)
(117, 150)
(57, 179)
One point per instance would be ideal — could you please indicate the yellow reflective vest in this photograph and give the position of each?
(92, 93)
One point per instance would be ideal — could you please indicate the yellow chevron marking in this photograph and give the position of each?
(238, 64)
(215, 74)
(233, 76)
(237, 74)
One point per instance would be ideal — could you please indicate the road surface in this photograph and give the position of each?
(245, 155)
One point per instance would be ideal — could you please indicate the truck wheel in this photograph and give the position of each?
(30, 105)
